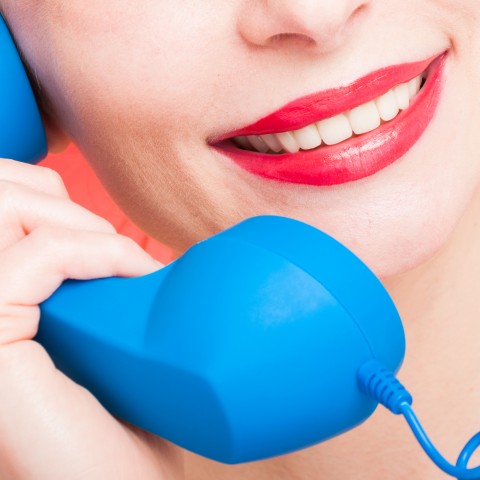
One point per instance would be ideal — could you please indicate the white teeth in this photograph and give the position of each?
(402, 96)
(272, 142)
(257, 143)
(414, 86)
(387, 106)
(364, 118)
(288, 142)
(359, 120)
(335, 130)
(308, 137)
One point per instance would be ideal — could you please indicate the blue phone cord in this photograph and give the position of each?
(381, 384)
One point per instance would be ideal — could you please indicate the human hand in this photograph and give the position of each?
(50, 427)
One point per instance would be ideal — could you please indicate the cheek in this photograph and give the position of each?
(402, 216)
(142, 64)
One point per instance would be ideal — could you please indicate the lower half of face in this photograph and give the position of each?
(162, 108)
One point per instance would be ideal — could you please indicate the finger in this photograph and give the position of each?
(23, 209)
(39, 178)
(55, 254)
(51, 428)
(17, 323)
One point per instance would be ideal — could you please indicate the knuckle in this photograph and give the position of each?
(56, 247)
(123, 244)
(18, 322)
(109, 228)
(10, 198)
(8, 191)
(47, 237)
(52, 180)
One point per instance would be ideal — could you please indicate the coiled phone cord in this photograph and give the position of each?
(380, 383)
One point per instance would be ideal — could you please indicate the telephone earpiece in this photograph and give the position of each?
(22, 135)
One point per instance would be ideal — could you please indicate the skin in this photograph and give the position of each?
(141, 88)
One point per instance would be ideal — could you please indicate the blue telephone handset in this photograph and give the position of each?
(22, 136)
(244, 348)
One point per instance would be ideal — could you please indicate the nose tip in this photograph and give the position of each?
(321, 25)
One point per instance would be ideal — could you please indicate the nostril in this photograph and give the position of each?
(294, 39)
(303, 24)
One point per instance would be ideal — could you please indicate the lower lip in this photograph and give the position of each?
(353, 159)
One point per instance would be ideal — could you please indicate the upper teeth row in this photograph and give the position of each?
(361, 119)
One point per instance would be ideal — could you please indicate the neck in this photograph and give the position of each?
(439, 303)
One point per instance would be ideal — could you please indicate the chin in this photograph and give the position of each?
(401, 252)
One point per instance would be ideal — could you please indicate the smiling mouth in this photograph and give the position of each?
(342, 134)
(339, 128)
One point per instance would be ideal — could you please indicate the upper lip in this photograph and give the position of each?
(328, 103)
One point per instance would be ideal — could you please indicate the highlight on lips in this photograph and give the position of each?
(331, 131)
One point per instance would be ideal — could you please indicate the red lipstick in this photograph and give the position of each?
(357, 157)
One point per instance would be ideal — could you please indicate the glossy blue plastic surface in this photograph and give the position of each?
(22, 136)
(244, 348)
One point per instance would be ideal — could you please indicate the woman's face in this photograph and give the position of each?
(147, 88)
